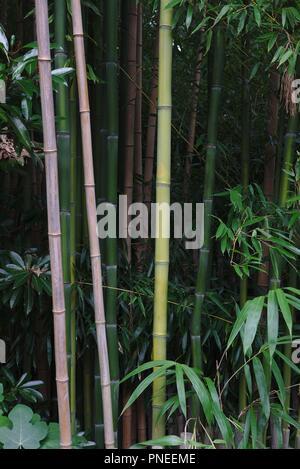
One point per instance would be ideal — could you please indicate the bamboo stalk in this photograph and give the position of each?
(98, 408)
(163, 180)
(141, 420)
(127, 420)
(73, 242)
(192, 126)
(54, 230)
(130, 114)
(64, 165)
(138, 151)
(87, 391)
(111, 246)
(84, 109)
(151, 130)
(209, 184)
(270, 163)
(245, 160)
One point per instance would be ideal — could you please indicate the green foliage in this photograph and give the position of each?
(252, 224)
(184, 376)
(26, 430)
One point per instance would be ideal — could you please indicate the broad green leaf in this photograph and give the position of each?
(201, 391)
(252, 322)
(249, 307)
(285, 309)
(180, 388)
(262, 386)
(144, 384)
(279, 380)
(289, 362)
(147, 366)
(23, 433)
(257, 15)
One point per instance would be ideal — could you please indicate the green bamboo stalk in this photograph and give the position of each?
(64, 166)
(163, 179)
(111, 69)
(245, 160)
(74, 236)
(287, 163)
(130, 114)
(98, 409)
(209, 184)
(87, 391)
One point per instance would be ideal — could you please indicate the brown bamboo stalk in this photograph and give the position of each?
(126, 420)
(138, 108)
(270, 163)
(151, 129)
(192, 127)
(141, 420)
(138, 151)
(130, 115)
(89, 183)
(54, 231)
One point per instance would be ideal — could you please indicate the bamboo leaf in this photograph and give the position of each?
(262, 386)
(144, 384)
(200, 390)
(279, 380)
(285, 309)
(180, 388)
(252, 322)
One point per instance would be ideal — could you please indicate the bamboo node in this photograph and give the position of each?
(165, 26)
(89, 185)
(95, 256)
(53, 150)
(163, 182)
(55, 235)
(78, 34)
(44, 59)
(162, 107)
(58, 312)
(84, 111)
(62, 380)
(161, 262)
(159, 336)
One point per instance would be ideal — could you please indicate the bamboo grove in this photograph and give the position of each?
(131, 341)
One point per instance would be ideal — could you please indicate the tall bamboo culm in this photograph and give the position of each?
(74, 239)
(209, 185)
(245, 156)
(64, 165)
(89, 183)
(130, 104)
(111, 13)
(163, 180)
(54, 229)
(151, 129)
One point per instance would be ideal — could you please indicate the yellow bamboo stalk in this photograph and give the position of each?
(54, 231)
(89, 183)
(163, 178)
